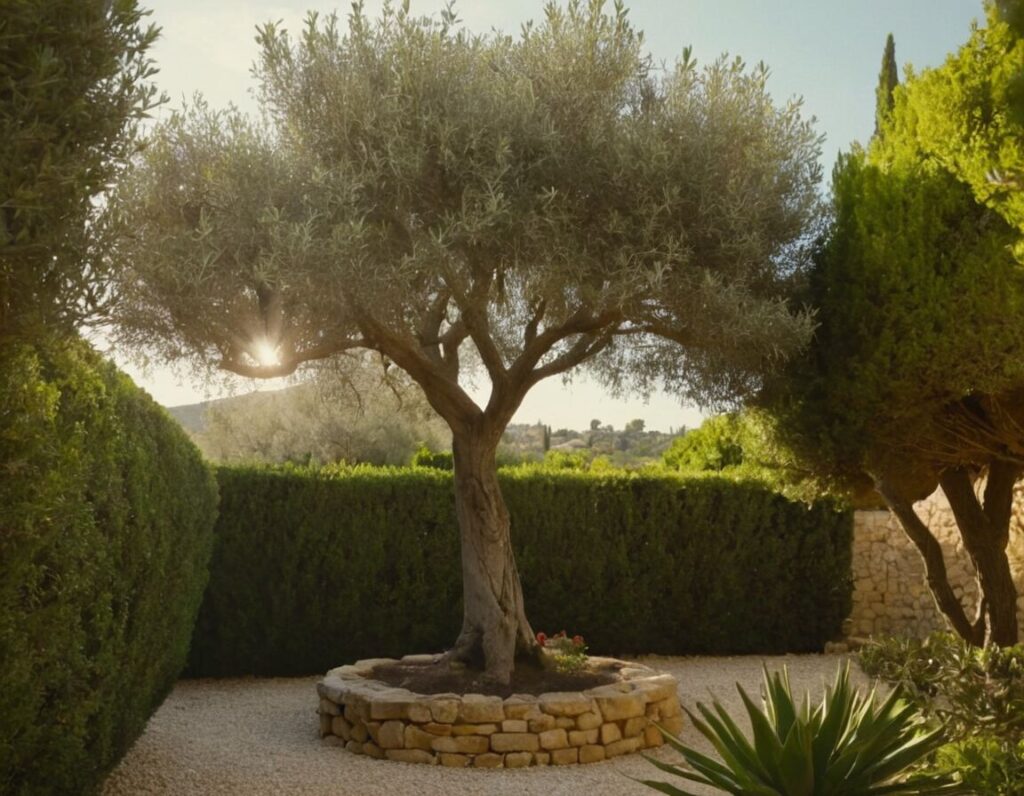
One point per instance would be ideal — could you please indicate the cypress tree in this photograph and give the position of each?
(888, 79)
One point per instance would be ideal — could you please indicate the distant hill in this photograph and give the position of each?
(193, 416)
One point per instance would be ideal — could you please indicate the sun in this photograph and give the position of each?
(266, 354)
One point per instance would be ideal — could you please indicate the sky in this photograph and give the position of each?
(826, 51)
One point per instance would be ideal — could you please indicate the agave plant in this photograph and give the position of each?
(849, 745)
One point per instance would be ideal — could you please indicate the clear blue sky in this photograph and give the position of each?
(826, 51)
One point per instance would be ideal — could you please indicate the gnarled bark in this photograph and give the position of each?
(495, 629)
(984, 528)
(934, 564)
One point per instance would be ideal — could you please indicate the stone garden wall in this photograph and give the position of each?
(890, 595)
(368, 717)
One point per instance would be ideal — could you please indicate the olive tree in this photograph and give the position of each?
(516, 205)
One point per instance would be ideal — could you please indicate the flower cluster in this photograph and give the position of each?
(569, 654)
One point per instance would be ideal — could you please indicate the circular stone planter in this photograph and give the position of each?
(370, 717)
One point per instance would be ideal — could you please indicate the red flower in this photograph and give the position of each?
(541, 638)
(577, 640)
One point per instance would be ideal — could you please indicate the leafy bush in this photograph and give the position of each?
(106, 518)
(317, 567)
(976, 693)
(437, 460)
(849, 745)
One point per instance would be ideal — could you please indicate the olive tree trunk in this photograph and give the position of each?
(495, 630)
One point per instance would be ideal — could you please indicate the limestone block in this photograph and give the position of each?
(584, 737)
(565, 703)
(514, 725)
(514, 742)
(437, 729)
(623, 706)
(391, 735)
(371, 749)
(444, 711)
(479, 709)
(366, 666)
(542, 723)
(360, 733)
(455, 761)
(462, 744)
(589, 720)
(625, 746)
(488, 760)
(422, 659)
(354, 747)
(655, 689)
(541, 758)
(325, 725)
(342, 728)
(592, 753)
(328, 707)
(673, 724)
(411, 756)
(565, 723)
(474, 729)
(565, 757)
(332, 689)
(352, 713)
(634, 726)
(554, 739)
(522, 706)
(415, 738)
(610, 733)
(652, 737)
(518, 759)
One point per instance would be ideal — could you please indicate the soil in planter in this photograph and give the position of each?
(527, 678)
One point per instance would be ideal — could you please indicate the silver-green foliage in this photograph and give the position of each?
(849, 744)
(545, 198)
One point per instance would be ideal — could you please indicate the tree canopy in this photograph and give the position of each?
(968, 114)
(73, 86)
(915, 375)
(545, 198)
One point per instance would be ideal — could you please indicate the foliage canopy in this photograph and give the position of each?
(73, 86)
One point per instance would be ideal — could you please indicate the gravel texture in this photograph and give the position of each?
(256, 737)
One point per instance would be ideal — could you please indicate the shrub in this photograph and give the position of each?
(849, 744)
(106, 518)
(318, 567)
(976, 693)
(437, 460)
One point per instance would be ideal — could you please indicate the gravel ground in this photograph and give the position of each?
(252, 737)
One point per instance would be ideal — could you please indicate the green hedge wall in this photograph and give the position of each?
(316, 568)
(106, 528)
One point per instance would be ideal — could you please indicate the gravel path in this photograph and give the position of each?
(253, 737)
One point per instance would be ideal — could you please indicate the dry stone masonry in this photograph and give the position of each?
(890, 595)
(372, 718)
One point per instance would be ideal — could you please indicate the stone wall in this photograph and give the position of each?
(368, 717)
(890, 595)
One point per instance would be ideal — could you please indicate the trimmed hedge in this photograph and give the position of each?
(106, 527)
(316, 568)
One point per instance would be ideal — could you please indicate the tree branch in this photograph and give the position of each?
(231, 362)
(442, 392)
(934, 563)
(584, 348)
(1002, 475)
